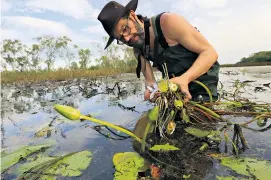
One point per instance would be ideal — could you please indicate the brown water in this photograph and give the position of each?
(29, 107)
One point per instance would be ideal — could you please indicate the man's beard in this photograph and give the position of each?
(141, 37)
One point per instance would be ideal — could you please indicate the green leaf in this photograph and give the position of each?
(230, 178)
(68, 165)
(163, 86)
(14, 157)
(197, 132)
(32, 162)
(153, 113)
(178, 104)
(164, 147)
(72, 165)
(45, 131)
(185, 116)
(128, 164)
(253, 168)
(215, 136)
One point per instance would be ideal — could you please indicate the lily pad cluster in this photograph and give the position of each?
(250, 168)
(38, 165)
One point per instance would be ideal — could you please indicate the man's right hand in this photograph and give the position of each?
(147, 95)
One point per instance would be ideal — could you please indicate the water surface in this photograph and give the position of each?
(28, 108)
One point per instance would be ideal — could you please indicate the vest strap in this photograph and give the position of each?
(161, 37)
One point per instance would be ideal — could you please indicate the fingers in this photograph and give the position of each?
(187, 96)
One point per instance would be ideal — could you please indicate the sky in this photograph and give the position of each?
(235, 28)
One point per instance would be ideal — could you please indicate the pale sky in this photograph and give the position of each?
(236, 28)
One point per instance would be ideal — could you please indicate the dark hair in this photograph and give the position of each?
(142, 18)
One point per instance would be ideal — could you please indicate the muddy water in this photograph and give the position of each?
(28, 108)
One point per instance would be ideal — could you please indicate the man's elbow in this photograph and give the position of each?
(214, 54)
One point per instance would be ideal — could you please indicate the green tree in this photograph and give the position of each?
(34, 56)
(52, 46)
(74, 65)
(84, 56)
(14, 54)
(262, 56)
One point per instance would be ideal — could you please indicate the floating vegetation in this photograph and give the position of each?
(164, 147)
(68, 165)
(33, 163)
(10, 159)
(128, 164)
(249, 167)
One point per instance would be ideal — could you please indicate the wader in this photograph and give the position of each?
(178, 60)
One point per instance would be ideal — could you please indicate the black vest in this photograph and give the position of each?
(178, 60)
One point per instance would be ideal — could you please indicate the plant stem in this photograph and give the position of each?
(206, 88)
(206, 109)
(112, 126)
(256, 118)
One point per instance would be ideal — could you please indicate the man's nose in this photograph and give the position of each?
(127, 38)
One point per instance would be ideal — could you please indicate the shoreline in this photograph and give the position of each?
(246, 64)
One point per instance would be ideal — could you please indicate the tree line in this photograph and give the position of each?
(262, 56)
(47, 49)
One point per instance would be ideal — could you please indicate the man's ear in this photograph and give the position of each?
(133, 14)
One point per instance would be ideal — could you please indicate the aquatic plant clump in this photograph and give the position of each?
(172, 108)
(198, 127)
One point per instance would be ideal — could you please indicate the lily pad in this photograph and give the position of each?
(10, 159)
(253, 168)
(215, 136)
(69, 165)
(197, 132)
(164, 147)
(32, 162)
(128, 164)
(45, 131)
(230, 178)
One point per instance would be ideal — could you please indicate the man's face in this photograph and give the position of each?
(130, 31)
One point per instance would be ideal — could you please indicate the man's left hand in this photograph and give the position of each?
(182, 82)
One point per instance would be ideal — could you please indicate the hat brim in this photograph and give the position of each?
(132, 5)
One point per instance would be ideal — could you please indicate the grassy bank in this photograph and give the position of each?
(247, 64)
(58, 75)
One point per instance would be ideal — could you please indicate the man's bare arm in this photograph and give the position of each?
(176, 28)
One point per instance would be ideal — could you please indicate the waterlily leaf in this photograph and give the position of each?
(164, 147)
(69, 165)
(10, 159)
(128, 164)
(230, 178)
(215, 135)
(32, 162)
(44, 132)
(253, 168)
(197, 132)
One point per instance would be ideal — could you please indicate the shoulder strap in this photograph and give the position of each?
(161, 39)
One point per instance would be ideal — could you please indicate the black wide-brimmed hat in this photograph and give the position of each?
(111, 14)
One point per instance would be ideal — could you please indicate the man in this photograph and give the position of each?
(164, 39)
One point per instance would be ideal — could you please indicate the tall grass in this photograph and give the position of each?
(58, 75)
